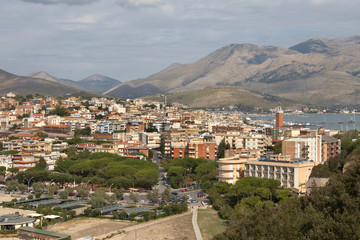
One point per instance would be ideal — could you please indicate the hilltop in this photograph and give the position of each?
(98, 83)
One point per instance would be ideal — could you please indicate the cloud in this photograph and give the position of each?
(67, 2)
(167, 9)
(139, 3)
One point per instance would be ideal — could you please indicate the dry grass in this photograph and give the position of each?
(4, 211)
(83, 227)
(209, 223)
(174, 229)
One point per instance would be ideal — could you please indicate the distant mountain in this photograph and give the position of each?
(31, 85)
(98, 83)
(222, 96)
(47, 76)
(318, 71)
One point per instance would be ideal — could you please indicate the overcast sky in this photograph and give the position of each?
(128, 39)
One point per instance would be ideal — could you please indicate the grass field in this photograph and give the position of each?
(210, 224)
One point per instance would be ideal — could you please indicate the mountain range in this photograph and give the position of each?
(321, 71)
(23, 85)
(48, 85)
(95, 83)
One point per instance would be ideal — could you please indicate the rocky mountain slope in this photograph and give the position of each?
(318, 71)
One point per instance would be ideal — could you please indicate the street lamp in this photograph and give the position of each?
(28, 181)
(87, 183)
(111, 186)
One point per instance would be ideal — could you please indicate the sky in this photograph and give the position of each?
(129, 39)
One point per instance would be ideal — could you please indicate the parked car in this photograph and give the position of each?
(200, 194)
(184, 190)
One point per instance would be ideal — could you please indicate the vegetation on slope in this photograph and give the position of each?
(222, 96)
(330, 212)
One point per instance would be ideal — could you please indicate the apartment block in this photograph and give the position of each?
(198, 148)
(330, 147)
(232, 169)
(179, 149)
(316, 148)
(291, 174)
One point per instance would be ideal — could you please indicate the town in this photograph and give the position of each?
(138, 160)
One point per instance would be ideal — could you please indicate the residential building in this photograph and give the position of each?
(232, 169)
(198, 148)
(15, 221)
(303, 147)
(290, 173)
(56, 128)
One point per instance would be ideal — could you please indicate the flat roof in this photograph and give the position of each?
(70, 204)
(12, 219)
(137, 210)
(111, 208)
(31, 200)
(46, 202)
(40, 231)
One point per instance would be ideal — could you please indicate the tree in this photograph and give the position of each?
(22, 187)
(11, 186)
(153, 195)
(2, 170)
(221, 148)
(119, 194)
(188, 180)
(13, 170)
(41, 164)
(98, 200)
(134, 197)
(223, 187)
(82, 132)
(64, 194)
(83, 192)
(42, 135)
(166, 194)
(278, 148)
(60, 111)
(52, 189)
(38, 187)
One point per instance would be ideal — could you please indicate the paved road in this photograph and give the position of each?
(195, 224)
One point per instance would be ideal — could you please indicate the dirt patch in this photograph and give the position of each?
(83, 227)
(178, 228)
(7, 197)
(4, 211)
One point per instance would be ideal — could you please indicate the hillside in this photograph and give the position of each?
(29, 85)
(97, 83)
(221, 96)
(315, 71)
(47, 76)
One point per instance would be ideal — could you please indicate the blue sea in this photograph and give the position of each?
(342, 122)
